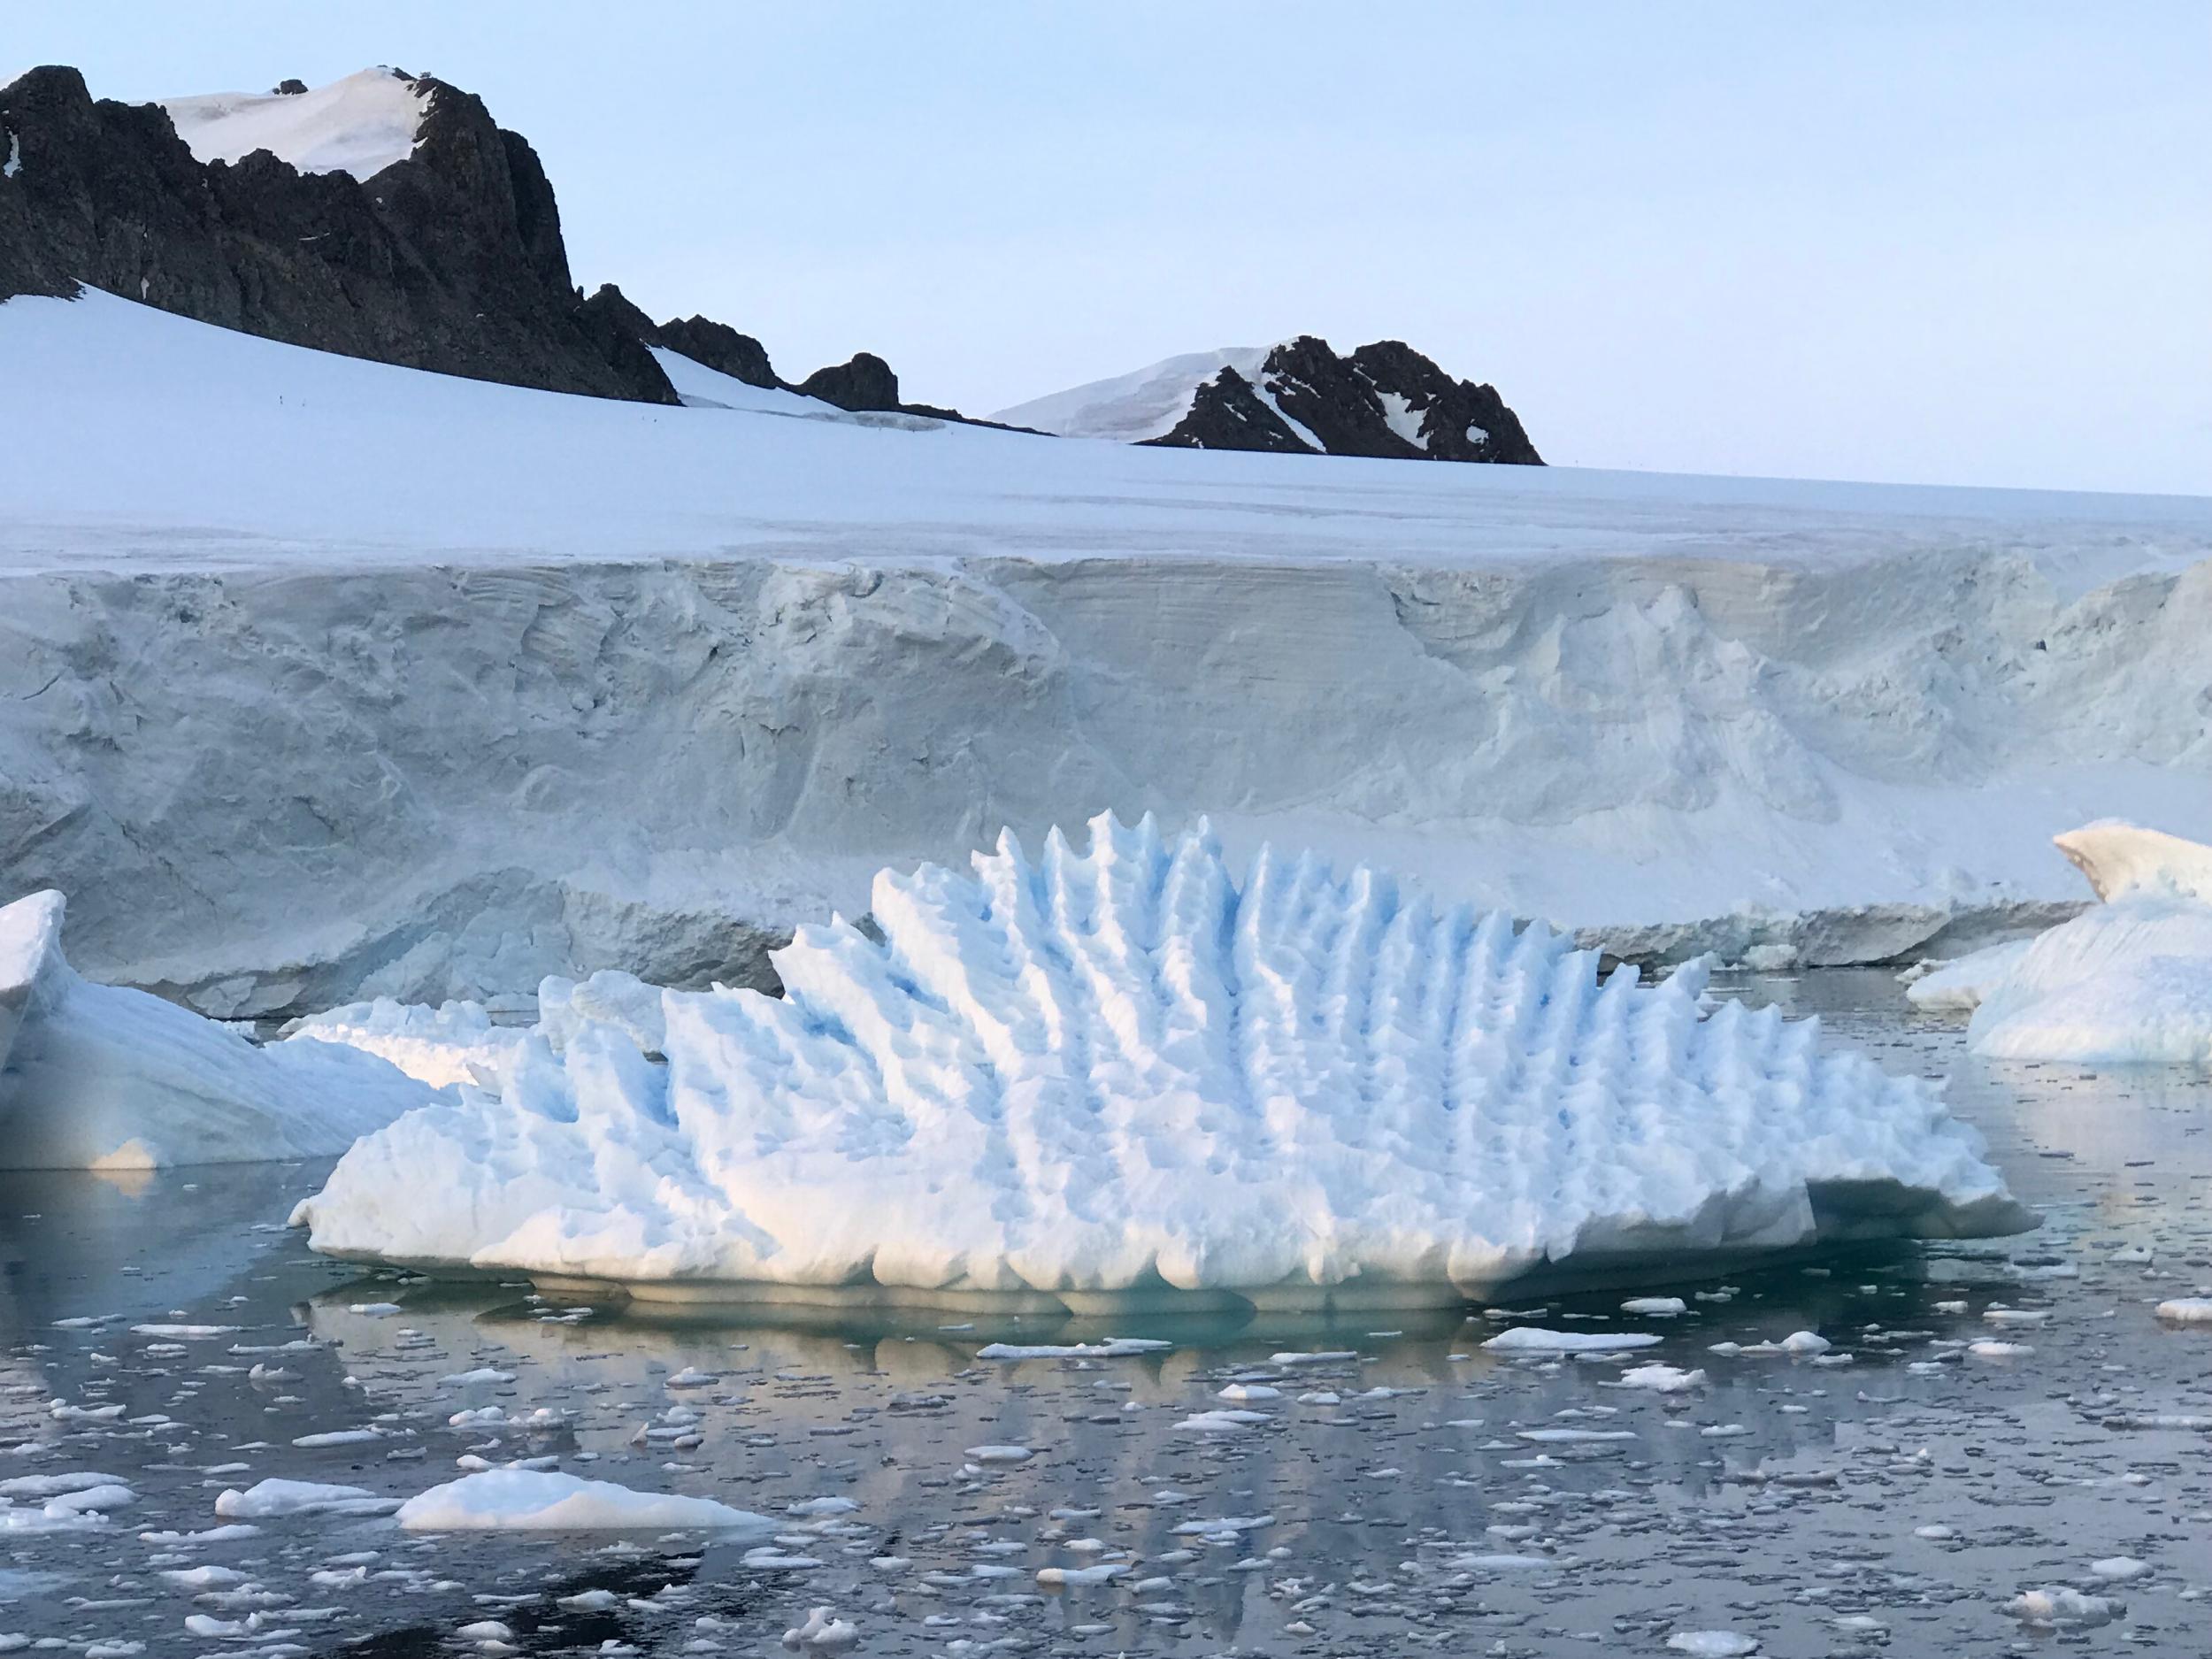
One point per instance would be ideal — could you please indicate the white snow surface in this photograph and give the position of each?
(418, 737)
(457, 1041)
(1108, 1073)
(2128, 980)
(360, 124)
(102, 1077)
(1130, 408)
(533, 1500)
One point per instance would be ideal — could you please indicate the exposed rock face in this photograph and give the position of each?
(721, 347)
(864, 383)
(450, 259)
(1385, 400)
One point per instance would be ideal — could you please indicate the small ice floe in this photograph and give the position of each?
(184, 1332)
(1529, 1338)
(1656, 1307)
(530, 1500)
(1659, 1378)
(1243, 1392)
(815, 1509)
(2119, 1568)
(1222, 1422)
(690, 1378)
(2186, 1310)
(1112, 1348)
(1573, 1437)
(376, 1309)
(339, 1437)
(267, 1500)
(1001, 1453)
(822, 1633)
(1069, 1578)
(2060, 1607)
(1987, 1349)
(1713, 1644)
(481, 1374)
(1798, 1344)
(1330, 1357)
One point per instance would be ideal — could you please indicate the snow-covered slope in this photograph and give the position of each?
(2130, 979)
(321, 679)
(1133, 407)
(100, 1077)
(360, 124)
(1109, 1074)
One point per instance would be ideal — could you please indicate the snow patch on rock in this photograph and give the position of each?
(360, 124)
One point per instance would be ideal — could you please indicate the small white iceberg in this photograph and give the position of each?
(537, 1500)
(105, 1077)
(1107, 1078)
(2128, 980)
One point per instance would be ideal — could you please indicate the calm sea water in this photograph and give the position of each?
(1896, 1494)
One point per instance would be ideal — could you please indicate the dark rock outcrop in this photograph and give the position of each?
(865, 382)
(719, 347)
(1386, 400)
(450, 259)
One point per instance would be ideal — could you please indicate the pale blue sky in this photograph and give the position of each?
(1948, 243)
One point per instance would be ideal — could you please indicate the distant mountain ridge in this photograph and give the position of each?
(384, 216)
(1298, 397)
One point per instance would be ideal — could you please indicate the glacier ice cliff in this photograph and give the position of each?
(1099, 1077)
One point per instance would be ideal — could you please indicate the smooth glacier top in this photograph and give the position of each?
(360, 124)
(1122, 1070)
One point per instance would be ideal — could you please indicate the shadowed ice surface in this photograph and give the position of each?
(1987, 1420)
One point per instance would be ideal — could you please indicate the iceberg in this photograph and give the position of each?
(457, 1042)
(1119, 1077)
(102, 1077)
(2128, 980)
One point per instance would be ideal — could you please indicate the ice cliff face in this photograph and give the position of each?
(607, 685)
(1120, 1072)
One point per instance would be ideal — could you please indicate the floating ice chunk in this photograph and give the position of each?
(1656, 1307)
(1112, 1348)
(99, 1076)
(2061, 1606)
(2130, 979)
(269, 1499)
(1222, 1422)
(1001, 1453)
(823, 1631)
(1713, 1644)
(2186, 1310)
(1798, 1344)
(909, 1115)
(2119, 1568)
(1660, 1378)
(520, 1500)
(1104, 1573)
(1529, 1338)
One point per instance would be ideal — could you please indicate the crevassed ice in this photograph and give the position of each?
(1122, 1073)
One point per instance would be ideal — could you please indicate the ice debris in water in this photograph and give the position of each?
(534, 1500)
(102, 1077)
(1122, 1072)
(2128, 980)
